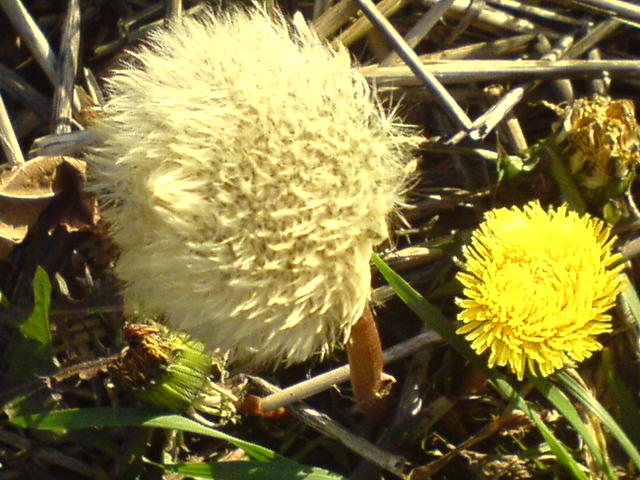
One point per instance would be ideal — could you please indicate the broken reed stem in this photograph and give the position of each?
(307, 388)
(334, 17)
(66, 70)
(30, 33)
(173, 10)
(8, 139)
(451, 107)
(420, 29)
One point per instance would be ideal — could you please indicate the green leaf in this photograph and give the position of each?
(36, 327)
(253, 471)
(121, 417)
(510, 166)
(31, 352)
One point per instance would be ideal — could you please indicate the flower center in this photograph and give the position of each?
(531, 296)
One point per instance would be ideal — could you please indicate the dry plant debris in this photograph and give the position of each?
(26, 190)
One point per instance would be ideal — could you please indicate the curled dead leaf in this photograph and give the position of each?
(28, 189)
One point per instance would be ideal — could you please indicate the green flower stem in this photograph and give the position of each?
(561, 175)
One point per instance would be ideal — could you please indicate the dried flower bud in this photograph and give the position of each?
(603, 144)
(171, 371)
(246, 172)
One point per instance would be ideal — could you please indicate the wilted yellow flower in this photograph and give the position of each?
(172, 371)
(603, 144)
(246, 171)
(537, 285)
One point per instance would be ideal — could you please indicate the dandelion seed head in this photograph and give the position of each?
(246, 173)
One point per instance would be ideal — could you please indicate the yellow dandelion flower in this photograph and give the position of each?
(536, 287)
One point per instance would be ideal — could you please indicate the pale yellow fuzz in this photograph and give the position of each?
(537, 286)
(246, 172)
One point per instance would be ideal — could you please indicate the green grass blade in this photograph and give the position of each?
(432, 317)
(631, 300)
(122, 417)
(436, 320)
(569, 412)
(557, 447)
(585, 397)
(627, 408)
(252, 471)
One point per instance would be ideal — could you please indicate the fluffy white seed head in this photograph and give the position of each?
(246, 172)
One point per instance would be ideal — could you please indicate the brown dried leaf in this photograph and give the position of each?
(28, 189)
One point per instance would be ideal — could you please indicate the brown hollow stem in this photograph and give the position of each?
(364, 350)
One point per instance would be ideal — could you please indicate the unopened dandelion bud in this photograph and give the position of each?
(171, 371)
(537, 287)
(246, 172)
(601, 140)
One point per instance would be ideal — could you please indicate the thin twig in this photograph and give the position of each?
(8, 138)
(485, 123)
(333, 18)
(593, 36)
(15, 86)
(93, 90)
(562, 86)
(510, 126)
(464, 71)
(624, 9)
(328, 427)
(420, 29)
(137, 34)
(411, 58)
(543, 13)
(319, 7)
(340, 375)
(469, 17)
(32, 36)
(363, 25)
(601, 84)
(62, 143)
(482, 49)
(493, 18)
(413, 256)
